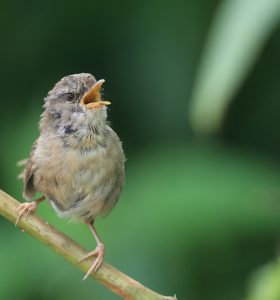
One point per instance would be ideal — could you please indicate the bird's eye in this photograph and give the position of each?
(70, 97)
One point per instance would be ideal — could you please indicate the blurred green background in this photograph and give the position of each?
(195, 96)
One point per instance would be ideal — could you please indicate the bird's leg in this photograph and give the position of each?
(27, 208)
(99, 252)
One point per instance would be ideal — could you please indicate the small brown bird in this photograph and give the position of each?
(78, 161)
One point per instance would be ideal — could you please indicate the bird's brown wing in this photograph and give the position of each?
(29, 190)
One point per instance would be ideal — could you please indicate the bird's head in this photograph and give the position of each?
(74, 103)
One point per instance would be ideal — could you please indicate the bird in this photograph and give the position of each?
(77, 162)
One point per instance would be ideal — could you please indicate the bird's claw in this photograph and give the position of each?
(26, 208)
(99, 254)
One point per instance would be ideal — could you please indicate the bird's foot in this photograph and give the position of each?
(99, 253)
(25, 208)
(28, 207)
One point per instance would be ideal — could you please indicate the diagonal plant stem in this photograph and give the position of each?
(107, 275)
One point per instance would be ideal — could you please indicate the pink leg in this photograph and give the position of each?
(99, 252)
(27, 208)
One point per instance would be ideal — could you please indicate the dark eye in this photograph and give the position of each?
(70, 97)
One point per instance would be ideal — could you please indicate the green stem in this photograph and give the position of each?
(107, 275)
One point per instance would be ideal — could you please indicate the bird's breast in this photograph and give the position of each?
(80, 181)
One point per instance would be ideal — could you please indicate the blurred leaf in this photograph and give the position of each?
(238, 33)
(265, 283)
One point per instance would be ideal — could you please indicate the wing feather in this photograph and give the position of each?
(27, 175)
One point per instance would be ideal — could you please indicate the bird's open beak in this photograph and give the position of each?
(92, 98)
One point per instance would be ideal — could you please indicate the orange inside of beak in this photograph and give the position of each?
(92, 98)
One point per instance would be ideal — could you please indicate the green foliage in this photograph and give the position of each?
(238, 33)
(265, 283)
